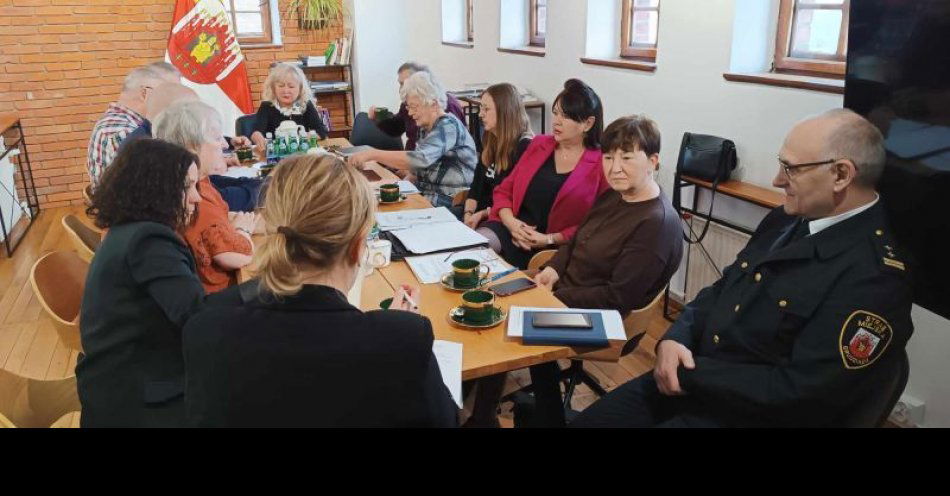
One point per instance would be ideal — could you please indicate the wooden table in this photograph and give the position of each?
(484, 352)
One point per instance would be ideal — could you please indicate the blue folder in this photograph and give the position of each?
(596, 336)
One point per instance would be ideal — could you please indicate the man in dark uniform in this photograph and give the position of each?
(810, 320)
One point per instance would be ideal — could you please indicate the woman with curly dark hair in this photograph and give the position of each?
(140, 290)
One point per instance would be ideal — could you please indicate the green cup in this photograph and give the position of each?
(385, 304)
(478, 306)
(467, 272)
(383, 113)
(389, 192)
(245, 154)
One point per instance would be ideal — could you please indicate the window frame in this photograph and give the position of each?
(785, 61)
(639, 51)
(470, 21)
(265, 38)
(533, 38)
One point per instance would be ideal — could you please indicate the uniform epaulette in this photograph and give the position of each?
(886, 253)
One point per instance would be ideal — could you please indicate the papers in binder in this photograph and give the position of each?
(428, 238)
(389, 221)
(430, 268)
(449, 357)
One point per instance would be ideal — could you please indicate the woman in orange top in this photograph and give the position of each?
(220, 241)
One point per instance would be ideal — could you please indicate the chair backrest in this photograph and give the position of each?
(87, 194)
(874, 409)
(459, 198)
(27, 402)
(244, 125)
(635, 325)
(365, 132)
(540, 258)
(86, 240)
(58, 280)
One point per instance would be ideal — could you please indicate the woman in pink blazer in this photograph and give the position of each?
(548, 194)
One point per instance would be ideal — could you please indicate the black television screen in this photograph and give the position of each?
(899, 78)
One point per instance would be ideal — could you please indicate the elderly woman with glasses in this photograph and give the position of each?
(444, 159)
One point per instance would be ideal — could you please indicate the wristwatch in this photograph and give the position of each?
(550, 239)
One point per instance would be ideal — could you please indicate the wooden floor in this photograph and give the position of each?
(29, 345)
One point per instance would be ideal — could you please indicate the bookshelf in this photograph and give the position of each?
(339, 101)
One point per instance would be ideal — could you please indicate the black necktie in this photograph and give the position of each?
(794, 233)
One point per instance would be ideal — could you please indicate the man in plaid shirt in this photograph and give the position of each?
(123, 116)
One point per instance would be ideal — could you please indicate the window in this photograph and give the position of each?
(538, 25)
(251, 20)
(639, 25)
(812, 36)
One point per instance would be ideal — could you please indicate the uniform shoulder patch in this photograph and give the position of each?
(864, 337)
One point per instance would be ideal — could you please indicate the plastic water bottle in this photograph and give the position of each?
(281, 147)
(294, 145)
(314, 139)
(304, 144)
(271, 151)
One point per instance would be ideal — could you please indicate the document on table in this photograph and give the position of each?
(613, 324)
(237, 172)
(403, 219)
(449, 356)
(427, 238)
(430, 268)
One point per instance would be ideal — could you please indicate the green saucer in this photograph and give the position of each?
(401, 199)
(447, 282)
(498, 316)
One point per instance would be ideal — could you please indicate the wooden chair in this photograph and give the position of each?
(85, 239)
(635, 327)
(58, 279)
(87, 195)
(459, 198)
(540, 258)
(27, 402)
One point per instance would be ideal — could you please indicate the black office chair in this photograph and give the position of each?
(873, 410)
(244, 125)
(365, 132)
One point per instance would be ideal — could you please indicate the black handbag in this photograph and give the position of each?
(705, 157)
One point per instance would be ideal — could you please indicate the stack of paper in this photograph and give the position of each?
(449, 357)
(430, 268)
(441, 236)
(404, 219)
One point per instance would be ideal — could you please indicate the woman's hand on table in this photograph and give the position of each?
(407, 298)
(359, 159)
(547, 278)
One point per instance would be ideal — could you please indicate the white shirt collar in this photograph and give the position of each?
(818, 225)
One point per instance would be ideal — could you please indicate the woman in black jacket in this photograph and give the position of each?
(507, 136)
(288, 349)
(140, 290)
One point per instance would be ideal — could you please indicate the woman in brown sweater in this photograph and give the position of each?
(624, 253)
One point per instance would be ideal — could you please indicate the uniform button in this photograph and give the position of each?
(758, 277)
(879, 232)
(745, 265)
(737, 308)
(783, 303)
(716, 339)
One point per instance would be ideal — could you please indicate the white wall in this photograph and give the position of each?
(379, 48)
(686, 93)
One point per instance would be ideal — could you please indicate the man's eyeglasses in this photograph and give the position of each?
(789, 167)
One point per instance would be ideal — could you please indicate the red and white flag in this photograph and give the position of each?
(202, 45)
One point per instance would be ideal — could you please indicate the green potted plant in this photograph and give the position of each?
(317, 14)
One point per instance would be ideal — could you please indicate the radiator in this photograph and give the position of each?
(721, 244)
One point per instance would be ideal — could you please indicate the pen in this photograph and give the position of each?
(501, 274)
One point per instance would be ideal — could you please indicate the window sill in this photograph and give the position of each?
(622, 64)
(528, 50)
(458, 44)
(813, 83)
(260, 46)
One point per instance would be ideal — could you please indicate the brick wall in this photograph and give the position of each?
(62, 62)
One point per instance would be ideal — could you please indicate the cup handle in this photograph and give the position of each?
(378, 260)
(487, 272)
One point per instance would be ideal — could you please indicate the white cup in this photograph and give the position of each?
(380, 252)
